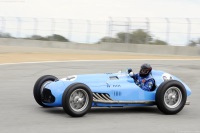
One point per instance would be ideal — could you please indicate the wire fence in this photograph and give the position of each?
(176, 31)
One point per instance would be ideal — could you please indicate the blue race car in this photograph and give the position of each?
(78, 93)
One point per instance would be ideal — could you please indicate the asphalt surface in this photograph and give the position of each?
(20, 113)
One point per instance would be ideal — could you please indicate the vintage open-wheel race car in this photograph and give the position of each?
(78, 93)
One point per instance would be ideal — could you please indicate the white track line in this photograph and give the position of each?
(40, 62)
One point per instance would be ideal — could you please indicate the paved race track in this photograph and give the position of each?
(21, 114)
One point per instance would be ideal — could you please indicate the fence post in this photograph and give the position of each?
(19, 23)
(70, 29)
(167, 30)
(148, 30)
(3, 26)
(110, 28)
(188, 30)
(127, 37)
(88, 31)
(53, 25)
(35, 26)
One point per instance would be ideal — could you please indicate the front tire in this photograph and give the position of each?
(171, 97)
(38, 87)
(77, 100)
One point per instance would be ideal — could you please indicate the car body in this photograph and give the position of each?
(109, 89)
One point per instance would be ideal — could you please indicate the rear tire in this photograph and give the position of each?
(38, 87)
(77, 100)
(171, 97)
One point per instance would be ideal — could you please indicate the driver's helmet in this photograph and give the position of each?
(145, 70)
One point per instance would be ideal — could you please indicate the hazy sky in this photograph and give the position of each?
(100, 9)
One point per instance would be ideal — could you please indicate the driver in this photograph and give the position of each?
(144, 78)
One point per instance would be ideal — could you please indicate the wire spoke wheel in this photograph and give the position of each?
(79, 100)
(173, 97)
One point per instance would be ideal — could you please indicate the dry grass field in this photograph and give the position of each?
(14, 54)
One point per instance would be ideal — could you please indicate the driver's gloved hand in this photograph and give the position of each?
(131, 74)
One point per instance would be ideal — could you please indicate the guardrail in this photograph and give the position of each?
(121, 47)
